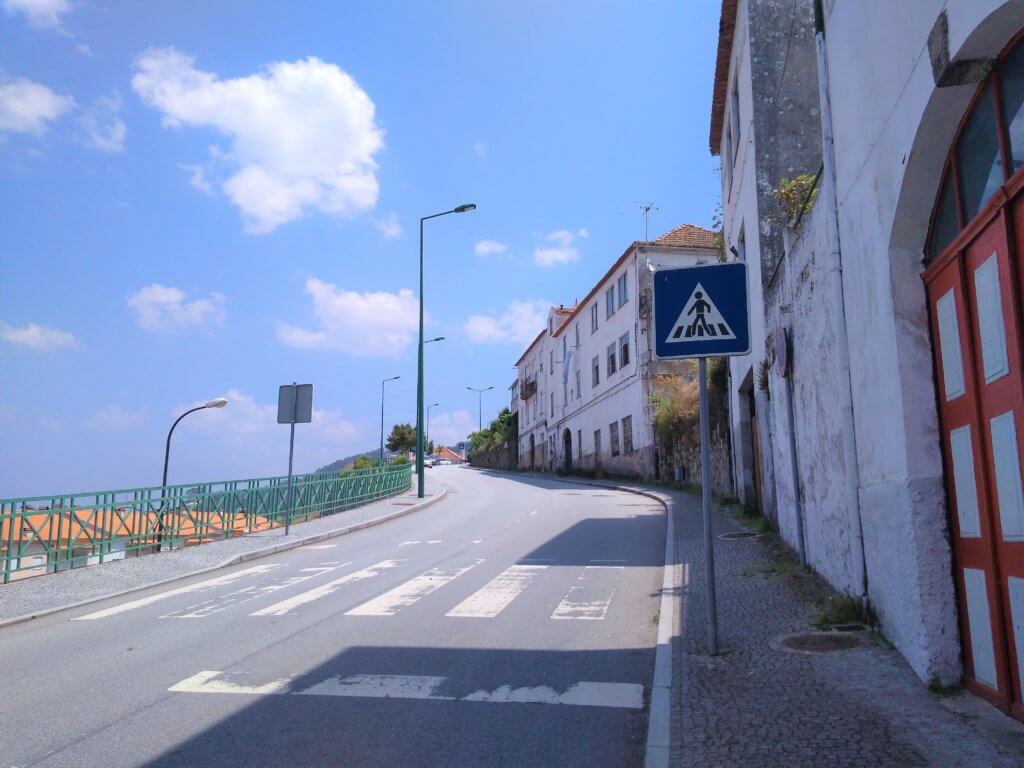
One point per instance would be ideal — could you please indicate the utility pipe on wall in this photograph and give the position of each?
(837, 304)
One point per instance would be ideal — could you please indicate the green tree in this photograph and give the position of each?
(363, 462)
(430, 446)
(402, 438)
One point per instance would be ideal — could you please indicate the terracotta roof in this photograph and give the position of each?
(563, 310)
(687, 236)
(726, 28)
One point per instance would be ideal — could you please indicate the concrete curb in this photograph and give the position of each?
(659, 719)
(235, 560)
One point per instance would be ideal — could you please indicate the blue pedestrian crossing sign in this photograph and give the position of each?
(701, 311)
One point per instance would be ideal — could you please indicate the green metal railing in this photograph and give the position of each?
(45, 534)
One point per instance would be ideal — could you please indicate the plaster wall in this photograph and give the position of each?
(893, 128)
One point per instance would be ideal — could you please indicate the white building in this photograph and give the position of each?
(584, 384)
(900, 292)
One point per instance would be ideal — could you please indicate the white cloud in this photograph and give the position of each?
(389, 226)
(39, 13)
(26, 107)
(563, 251)
(104, 129)
(197, 178)
(114, 417)
(489, 247)
(302, 134)
(480, 149)
(518, 324)
(450, 428)
(164, 308)
(367, 324)
(36, 336)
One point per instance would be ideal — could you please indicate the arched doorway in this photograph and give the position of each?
(533, 453)
(973, 277)
(567, 451)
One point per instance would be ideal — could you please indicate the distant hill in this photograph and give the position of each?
(340, 464)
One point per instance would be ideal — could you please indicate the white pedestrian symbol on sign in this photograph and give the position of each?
(700, 319)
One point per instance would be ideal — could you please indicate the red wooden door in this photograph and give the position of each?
(974, 300)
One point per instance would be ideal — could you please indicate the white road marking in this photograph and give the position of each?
(320, 546)
(607, 561)
(288, 605)
(204, 682)
(200, 586)
(617, 695)
(425, 687)
(477, 541)
(223, 602)
(436, 541)
(533, 513)
(379, 687)
(592, 594)
(494, 597)
(409, 592)
(407, 543)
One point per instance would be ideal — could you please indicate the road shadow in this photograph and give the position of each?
(636, 540)
(328, 731)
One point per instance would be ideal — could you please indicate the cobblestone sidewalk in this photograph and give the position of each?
(45, 593)
(758, 707)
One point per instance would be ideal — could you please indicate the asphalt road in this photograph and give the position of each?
(512, 624)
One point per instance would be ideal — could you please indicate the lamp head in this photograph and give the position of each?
(465, 208)
(217, 402)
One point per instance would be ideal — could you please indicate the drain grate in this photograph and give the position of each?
(816, 642)
(734, 535)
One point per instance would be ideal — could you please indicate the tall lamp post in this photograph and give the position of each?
(385, 381)
(480, 404)
(217, 402)
(432, 405)
(421, 478)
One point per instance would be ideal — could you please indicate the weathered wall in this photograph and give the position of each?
(686, 456)
(499, 458)
(799, 300)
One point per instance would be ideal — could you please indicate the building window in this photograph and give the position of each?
(597, 443)
(977, 156)
(741, 244)
(577, 335)
(595, 368)
(577, 383)
(609, 302)
(551, 368)
(627, 434)
(726, 164)
(611, 359)
(613, 437)
(552, 405)
(565, 345)
(593, 319)
(623, 295)
(579, 443)
(624, 350)
(551, 325)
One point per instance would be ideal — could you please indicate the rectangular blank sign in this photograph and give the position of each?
(295, 404)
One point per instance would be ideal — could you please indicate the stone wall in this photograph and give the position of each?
(498, 458)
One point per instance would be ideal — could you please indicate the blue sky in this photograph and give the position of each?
(205, 199)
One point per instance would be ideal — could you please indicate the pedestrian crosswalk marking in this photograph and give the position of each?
(409, 592)
(424, 688)
(200, 586)
(590, 597)
(247, 594)
(290, 604)
(495, 596)
(700, 319)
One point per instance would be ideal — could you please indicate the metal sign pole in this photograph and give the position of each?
(705, 487)
(291, 455)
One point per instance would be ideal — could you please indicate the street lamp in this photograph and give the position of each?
(421, 478)
(432, 405)
(480, 404)
(431, 341)
(385, 381)
(217, 402)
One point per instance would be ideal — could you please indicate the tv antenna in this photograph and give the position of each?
(646, 209)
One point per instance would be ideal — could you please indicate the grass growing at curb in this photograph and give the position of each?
(942, 691)
(840, 609)
(751, 519)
